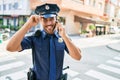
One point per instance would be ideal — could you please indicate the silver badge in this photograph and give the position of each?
(60, 40)
(47, 7)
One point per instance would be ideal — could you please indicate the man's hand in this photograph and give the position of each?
(33, 20)
(61, 29)
(74, 51)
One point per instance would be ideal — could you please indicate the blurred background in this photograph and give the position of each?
(93, 25)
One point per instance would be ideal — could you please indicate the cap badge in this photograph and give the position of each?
(47, 7)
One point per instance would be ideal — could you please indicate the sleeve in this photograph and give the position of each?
(66, 49)
(26, 43)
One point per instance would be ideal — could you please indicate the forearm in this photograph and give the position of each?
(73, 50)
(14, 43)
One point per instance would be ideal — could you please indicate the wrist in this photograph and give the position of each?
(64, 37)
(28, 25)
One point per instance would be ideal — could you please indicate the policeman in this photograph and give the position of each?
(47, 48)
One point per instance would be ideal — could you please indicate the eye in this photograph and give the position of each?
(44, 19)
(52, 19)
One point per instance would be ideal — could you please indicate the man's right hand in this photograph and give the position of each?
(14, 43)
(33, 20)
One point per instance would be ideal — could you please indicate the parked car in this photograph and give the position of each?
(113, 30)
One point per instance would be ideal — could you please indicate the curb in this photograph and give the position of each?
(108, 46)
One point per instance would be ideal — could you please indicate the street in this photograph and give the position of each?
(98, 61)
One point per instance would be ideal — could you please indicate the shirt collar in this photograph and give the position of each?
(44, 34)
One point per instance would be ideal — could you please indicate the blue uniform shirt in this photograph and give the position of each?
(40, 50)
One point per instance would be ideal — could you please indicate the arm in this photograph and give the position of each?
(74, 51)
(14, 43)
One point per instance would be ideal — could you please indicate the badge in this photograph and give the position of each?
(60, 40)
(47, 7)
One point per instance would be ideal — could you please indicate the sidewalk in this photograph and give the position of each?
(115, 46)
(111, 41)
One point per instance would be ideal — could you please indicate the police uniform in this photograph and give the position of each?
(40, 46)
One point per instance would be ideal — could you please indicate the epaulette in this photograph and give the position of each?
(37, 33)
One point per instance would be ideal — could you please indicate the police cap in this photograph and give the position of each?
(47, 10)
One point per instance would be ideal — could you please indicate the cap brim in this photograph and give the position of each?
(48, 15)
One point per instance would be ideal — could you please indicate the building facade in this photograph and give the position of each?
(112, 10)
(14, 12)
(76, 15)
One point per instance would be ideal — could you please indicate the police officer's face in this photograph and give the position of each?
(49, 24)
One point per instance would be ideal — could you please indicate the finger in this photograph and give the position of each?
(37, 18)
(55, 26)
(58, 26)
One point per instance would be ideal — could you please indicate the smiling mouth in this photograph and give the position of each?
(49, 27)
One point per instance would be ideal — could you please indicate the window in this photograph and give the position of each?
(4, 6)
(61, 20)
(15, 5)
(87, 2)
(99, 5)
(0, 7)
(10, 6)
(114, 1)
(94, 2)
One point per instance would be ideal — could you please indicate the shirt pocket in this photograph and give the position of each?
(60, 46)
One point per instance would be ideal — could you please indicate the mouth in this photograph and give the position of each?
(50, 27)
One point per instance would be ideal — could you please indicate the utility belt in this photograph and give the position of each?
(31, 74)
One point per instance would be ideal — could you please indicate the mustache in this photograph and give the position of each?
(49, 25)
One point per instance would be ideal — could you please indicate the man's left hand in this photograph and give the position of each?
(61, 29)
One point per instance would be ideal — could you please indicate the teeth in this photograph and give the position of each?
(49, 26)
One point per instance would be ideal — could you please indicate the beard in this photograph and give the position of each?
(51, 26)
(49, 29)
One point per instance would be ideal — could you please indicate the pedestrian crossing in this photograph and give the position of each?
(112, 66)
(101, 72)
(12, 63)
(15, 76)
(114, 62)
(99, 75)
(109, 68)
(117, 58)
(7, 58)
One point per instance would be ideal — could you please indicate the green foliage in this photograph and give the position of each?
(3, 27)
(1, 22)
(17, 28)
(84, 31)
(21, 22)
(11, 27)
(92, 27)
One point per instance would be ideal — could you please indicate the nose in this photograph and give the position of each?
(49, 22)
